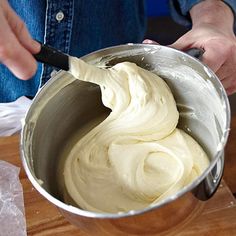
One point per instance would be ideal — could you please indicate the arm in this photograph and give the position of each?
(16, 44)
(212, 30)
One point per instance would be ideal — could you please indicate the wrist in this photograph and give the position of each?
(214, 12)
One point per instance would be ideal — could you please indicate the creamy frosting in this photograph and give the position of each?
(136, 156)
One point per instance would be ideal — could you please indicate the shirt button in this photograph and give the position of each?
(53, 73)
(60, 16)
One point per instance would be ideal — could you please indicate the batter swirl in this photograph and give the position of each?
(136, 156)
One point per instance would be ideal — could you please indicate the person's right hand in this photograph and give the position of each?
(16, 44)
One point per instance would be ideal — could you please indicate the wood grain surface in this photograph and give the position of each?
(218, 216)
(230, 157)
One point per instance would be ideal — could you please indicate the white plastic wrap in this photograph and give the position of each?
(12, 217)
(11, 115)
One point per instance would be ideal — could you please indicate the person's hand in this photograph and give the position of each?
(16, 44)
(213, 31)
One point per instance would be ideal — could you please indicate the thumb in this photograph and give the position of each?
(149, 41)
(181, 44)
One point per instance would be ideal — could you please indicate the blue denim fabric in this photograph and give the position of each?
(180, 9)
(87, 25)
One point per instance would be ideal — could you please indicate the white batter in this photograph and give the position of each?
(136, 156)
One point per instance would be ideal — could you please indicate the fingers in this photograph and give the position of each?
(226, 71)
(219, 55)
(15, 53)
(210, 56)
(216, 56)
(229, 84)
(19, 29)
(231, 90)
(227, 75)
(221, 58)
(149, 41)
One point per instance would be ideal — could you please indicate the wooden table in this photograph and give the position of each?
(218, 217)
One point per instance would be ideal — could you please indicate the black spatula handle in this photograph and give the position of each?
(195, 52)
(52, 57)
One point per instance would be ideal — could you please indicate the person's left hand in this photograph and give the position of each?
(212, 31)
(219, 55)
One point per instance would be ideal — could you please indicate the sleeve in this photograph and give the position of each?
(180, 9)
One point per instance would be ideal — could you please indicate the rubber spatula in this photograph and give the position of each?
(52, 57)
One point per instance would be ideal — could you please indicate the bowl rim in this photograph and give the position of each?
(188, 188)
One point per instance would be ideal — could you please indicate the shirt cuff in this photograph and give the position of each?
(180, 10)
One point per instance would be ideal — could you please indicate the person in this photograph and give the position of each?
(101, 25)
(212, 30)
(78, 27)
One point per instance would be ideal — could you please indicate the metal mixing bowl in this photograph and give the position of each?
(65, 105)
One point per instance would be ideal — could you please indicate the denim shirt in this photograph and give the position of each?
(78, 27)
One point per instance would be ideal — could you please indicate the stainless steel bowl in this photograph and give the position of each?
(65, 105)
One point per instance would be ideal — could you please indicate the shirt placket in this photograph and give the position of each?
(58, 28)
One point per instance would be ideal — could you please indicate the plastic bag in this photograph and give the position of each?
(12, 217)
(11, 115)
